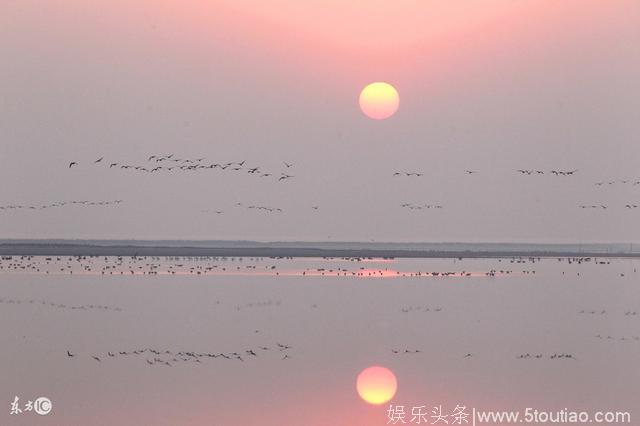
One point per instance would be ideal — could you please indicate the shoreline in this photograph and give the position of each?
(298, 250)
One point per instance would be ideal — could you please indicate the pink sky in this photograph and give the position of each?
(492, 85)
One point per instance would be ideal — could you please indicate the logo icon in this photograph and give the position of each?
(42, 406)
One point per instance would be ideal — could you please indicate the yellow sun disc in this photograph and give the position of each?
(376, 385)
(379, 100)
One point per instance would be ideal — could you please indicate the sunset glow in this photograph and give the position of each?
(379, 100)
(376, 385)
(216, 212)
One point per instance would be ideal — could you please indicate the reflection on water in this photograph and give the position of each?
(376, 384)
(339, 267)
(242, 341)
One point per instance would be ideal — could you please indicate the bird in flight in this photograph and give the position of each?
(563, 173)
(99, 160)
(73, 163)
(287, 164)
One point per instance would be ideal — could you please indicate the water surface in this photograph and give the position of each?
(188, 329)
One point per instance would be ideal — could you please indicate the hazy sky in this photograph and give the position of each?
(491, 86)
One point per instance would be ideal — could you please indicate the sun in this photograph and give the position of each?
(376, 385)
(379, 100)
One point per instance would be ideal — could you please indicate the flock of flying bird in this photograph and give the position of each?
(169, 358)
(471, 172)
(411, 206)
(604, 207)
(553, 172)
(408, 309)
(263, 304)
(249, 207)
(604, 312)
(254, 207)
(527, 172)
(622, 338)
(59, 305)
(469, 355)
(587, 206)
(61, 204)
(171, 163)
(540, 356)
(622, 181)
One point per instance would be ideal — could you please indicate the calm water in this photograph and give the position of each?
(259, 341)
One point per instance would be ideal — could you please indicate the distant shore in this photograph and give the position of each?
(311, 249)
